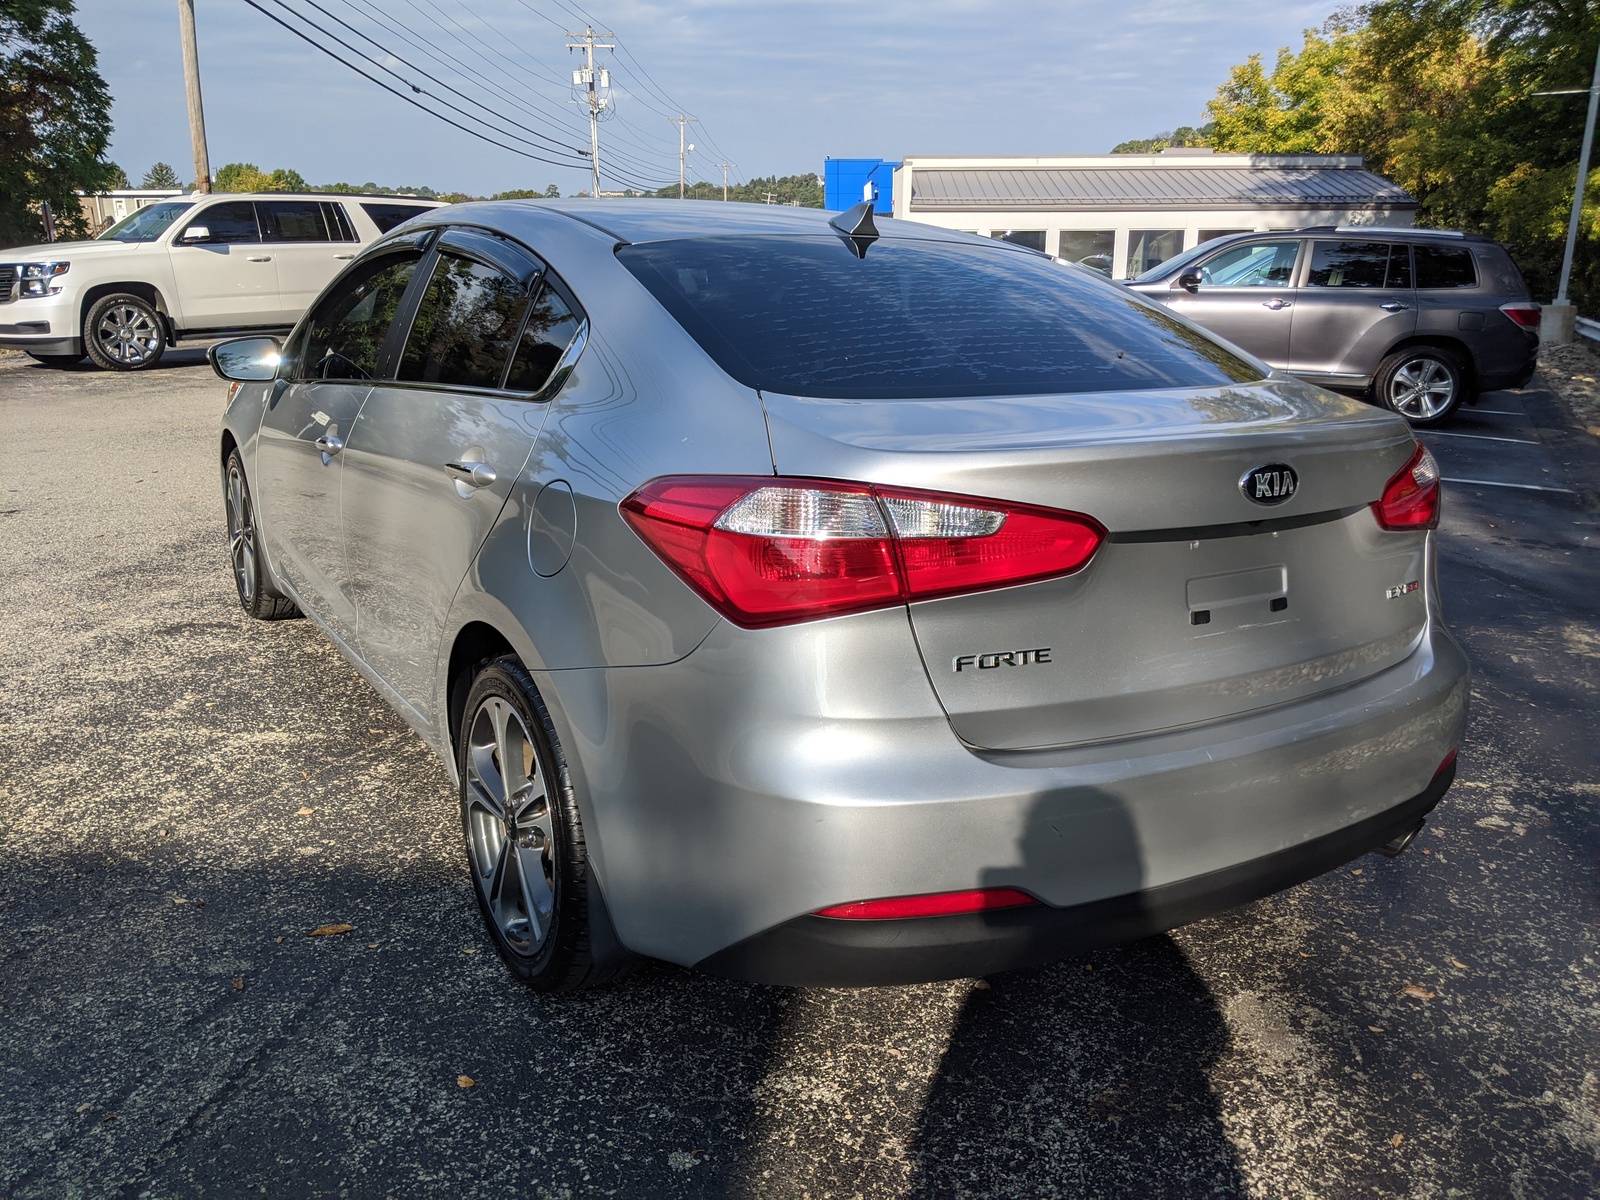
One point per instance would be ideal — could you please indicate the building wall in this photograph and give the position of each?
(104, 209)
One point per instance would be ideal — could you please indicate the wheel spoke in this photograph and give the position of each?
(537, 898)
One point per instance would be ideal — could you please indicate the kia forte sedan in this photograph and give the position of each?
(807, 600)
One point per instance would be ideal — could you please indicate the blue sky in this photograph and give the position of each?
(778, 86)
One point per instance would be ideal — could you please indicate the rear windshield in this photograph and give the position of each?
(388, 216)
(804, 316)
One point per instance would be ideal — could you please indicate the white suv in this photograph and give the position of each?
(194, 266)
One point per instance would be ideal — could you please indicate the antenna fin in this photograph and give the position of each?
(856, 228)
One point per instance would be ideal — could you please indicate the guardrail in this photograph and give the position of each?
(1589, 329)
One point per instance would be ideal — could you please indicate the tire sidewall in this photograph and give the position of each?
(1444, 358)
(550, 967)
(91, 343)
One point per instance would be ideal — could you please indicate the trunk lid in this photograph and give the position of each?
(1200, 604)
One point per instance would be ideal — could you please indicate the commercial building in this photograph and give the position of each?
(1123, 213)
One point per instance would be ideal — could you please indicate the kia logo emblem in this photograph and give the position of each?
(1271, 484)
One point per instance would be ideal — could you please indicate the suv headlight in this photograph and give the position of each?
(38, 278)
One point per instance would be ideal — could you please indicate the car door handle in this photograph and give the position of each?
(342, 257)
(329, 444)
(1275, 304)
(474, 474)
(1394, 306)
(261, 258)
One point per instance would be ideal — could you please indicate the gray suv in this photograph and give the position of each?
(1420, 319)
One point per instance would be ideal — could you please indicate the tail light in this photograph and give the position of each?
(1524, 312)
(937, 904)
(769, 551)
(1411, 499)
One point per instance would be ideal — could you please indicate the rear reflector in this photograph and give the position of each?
(770, 551)
(1524, 312)
(1449, 761)
(939, 904)
(1411, 499)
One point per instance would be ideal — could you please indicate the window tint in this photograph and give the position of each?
(345, 333)
(387, 216)
(1357, 265)
(802, 315)
(1088, 248)
(1033, 239)
(1254, 264)
(1445, 267)
(550, 330)
(465, 325)
(1148, 248)
(292, 221)
(230, 222)
(338, 222)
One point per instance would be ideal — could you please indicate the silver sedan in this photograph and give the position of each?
(817, 600)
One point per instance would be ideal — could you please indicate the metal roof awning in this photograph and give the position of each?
(935, 189)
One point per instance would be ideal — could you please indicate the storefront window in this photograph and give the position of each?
(1147, 247)
(1207, 235)
(1090, 248)
(1033, 239)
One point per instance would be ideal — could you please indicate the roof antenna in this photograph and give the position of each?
(856, 228)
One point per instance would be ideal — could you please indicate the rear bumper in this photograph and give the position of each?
(821, 951)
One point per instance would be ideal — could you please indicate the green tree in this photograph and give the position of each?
(1183, 135)
(160, 176)
(115, 177)
(55, 120)
(247, 177)
(804, 190)
(552, 192)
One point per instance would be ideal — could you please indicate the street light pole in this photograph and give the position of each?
(1559, 321)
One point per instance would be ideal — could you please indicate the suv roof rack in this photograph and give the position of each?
(1449, 233)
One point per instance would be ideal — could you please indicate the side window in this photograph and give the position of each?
(550, 330)
(1399, 267)
(338, 222)
(1254, 264)
(292, 221)
(465, 325)
(1348, 264)
(387, 216)
(231, 222)
(345, 333)
(1445, 267)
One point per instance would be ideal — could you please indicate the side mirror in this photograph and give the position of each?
(196, 233)
(1189, 281)
(246, 360)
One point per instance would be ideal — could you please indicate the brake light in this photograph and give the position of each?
(938, 904)
(1524, 312)
(770, 551)
(1411, 499)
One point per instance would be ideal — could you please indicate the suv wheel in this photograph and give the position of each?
(525, 844)
(1424, 384)
(124, 332)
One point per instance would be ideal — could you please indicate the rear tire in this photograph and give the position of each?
(56, 360)
(124, 332)
(525, 844)
(258, 595)
(1424, 384)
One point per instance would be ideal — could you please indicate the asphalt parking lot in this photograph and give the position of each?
(184, 794)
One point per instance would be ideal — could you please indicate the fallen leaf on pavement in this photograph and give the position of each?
(1357, 871)
(1458, 964)
(1396, 1140)
(373, 945)
(1417, 992)
(465, 1081)
(331, 930)
(1375, 1028)
(304, 812)
(277, 939)
(238, 985)
(982, 985)
(83, 1108)
(1499, 1070)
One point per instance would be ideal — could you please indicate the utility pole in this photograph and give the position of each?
(587, 77)
(726, 167)
(191, 86)
(683, 122)
(1559, 320)
(770, 197)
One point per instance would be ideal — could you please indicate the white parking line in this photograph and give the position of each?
(1495, 412)
(1482, 437)
(1526, 487)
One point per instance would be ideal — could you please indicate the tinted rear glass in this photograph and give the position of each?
(804, 316)
(387, 216)
(465, 325)
(1445, 267)
(292, 221)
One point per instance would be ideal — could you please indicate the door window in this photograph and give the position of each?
(231, 222)
(292, 221)
(551, 327)
(1445, 267)
(1254, 264)
(1148, 247)
(465, 326)
(345, 335)
(1358, 265)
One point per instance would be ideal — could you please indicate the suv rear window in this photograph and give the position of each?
(927, 319)
(387, 216)
(1445, 267)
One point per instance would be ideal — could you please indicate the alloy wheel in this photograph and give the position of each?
(241, 535)
(128, 334)
(510, 837)
(1421, 389)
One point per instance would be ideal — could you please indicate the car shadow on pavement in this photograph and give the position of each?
(172, 360)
